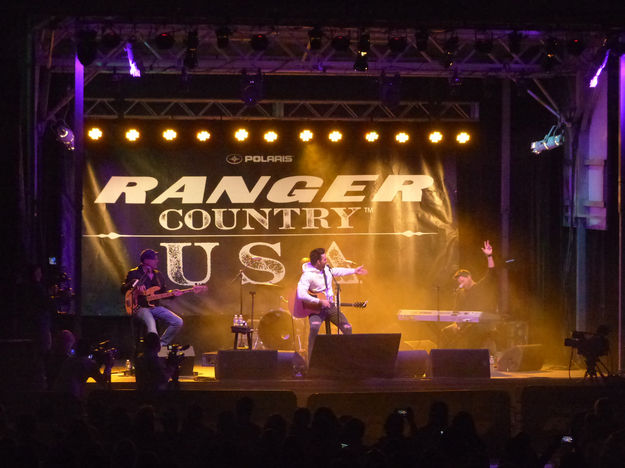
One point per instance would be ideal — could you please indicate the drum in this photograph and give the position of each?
(276, 330)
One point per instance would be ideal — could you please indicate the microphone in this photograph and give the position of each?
(457, 290)
(134, 283)
(349, 261)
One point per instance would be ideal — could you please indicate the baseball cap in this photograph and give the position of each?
(148, 254)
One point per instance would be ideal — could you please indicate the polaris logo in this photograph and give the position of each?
(259, 158)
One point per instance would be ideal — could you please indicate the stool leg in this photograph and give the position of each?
(328, 328)
(236, 337)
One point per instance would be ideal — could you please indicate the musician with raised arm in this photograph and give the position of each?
(141, 279)
(477, 295)
(315, 296)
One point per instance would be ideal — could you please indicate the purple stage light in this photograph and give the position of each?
(134, 69)
(595, 79)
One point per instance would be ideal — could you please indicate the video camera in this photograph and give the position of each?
(590, 345)
(103, 352)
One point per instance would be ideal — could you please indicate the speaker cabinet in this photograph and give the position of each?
(246, 364)
(355, 356)
(522, 358)
(460, 363)
(412, 363)
(186, 367)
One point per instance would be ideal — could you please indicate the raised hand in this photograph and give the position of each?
(487, 249)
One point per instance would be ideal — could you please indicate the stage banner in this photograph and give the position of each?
(242, 218)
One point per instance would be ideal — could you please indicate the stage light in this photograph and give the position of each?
(340, 42)
(203, 135)
(64, 134)
(270, 136)
(223, 37)
(259, 42)
(315, 36)
(95, 133)
(335, 136)
(306, 135)
(241, 134)
(251, 88)
(361, 63)
(454, 79)
(170, 134)
(372, 136)
(575, 46)
(190, 60)
(421, 39)
(132, 134)
(435, 137)
(402, 137)
(364, 43)
(135, 72)
(463, 137)
(397, 44)
(164, 41)
(86, 46)
(390, 90)
(595, 79)
(515, 40)
(484, 44)
(109, 40)
(550, 48)
(553, 139)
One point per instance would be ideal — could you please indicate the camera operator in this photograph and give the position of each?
(77, 369)
(152, 372)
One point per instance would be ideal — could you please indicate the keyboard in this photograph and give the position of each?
(424, 315)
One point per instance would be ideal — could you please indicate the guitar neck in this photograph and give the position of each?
(155, 297)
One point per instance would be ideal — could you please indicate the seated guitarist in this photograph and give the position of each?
(316, 279)
(142, 278)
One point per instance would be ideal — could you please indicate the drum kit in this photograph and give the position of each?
(276, 328)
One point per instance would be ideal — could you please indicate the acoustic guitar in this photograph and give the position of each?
(302, 309)
(131, 299)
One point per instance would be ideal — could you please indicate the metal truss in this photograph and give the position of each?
(289, 51)
(230, 109)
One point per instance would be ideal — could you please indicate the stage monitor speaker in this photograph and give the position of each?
(412, 363)
(355, 356)
(246, 364)
(460, 363)
(186, 367)
(522, 358)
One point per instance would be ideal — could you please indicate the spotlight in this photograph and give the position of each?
(223, 37)
(550, 48)
(305, 135)
(135, 72)
(595, 79)
(64, 134)
(484, 44)
(241, 134)
(132, 135)
(364, 43)
(170, 134)
(164, 41)
(259, 42)
(251, 88)
(95, 133)
(340, 43)
(335, 136)
(361, 63)
(451, 45)
(203, 135)
(575, 46)
(109, 40)
(190, 56)
(86, 47)
(463, 137)
(552, 140)
(315, 35)
(397, 44)
(515, 40)
(270, 136)
(421, 39)
(390, 90)
(435, 137)
(402, 137)
(454, 79)
(372, 136)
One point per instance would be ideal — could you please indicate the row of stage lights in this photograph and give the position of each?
(271, 136)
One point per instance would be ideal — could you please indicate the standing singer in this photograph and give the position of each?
(315, 296)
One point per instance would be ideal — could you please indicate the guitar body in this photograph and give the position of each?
(131, 298)
(302, 309)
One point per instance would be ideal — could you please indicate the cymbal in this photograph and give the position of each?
(267, 284)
